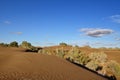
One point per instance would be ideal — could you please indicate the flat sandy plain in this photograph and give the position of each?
(18, 65)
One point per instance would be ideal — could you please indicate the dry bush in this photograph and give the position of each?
(45, 51)
(60, 52)
(26, 45)
(75, 55)
(83, 59)
(97, 61)
(115, 67)
(100, 63)
(100, 57)
(93, 65)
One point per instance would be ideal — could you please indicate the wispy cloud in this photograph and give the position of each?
(7, 22)
(118, 39)
(18, 33)
(115, 18)
(107, 44)
(96, 32)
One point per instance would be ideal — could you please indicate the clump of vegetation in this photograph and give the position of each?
(60, 52)
(84, 59)
(93, 65)
(75, 55)
(100, 63)
(114, 66)
(96, 59)
(63, 44)
(45, 51)
(4, 45)
(13, 44)
(28, 47)
(100, 57)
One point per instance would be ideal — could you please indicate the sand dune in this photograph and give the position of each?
(18, 65)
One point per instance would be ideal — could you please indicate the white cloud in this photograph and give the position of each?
(96, 32)
(7, 22)
(115, 18)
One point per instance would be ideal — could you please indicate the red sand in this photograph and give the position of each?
(18, 65)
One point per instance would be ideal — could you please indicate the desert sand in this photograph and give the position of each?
(18, 65)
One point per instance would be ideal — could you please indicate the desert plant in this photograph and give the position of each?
(93, 65)
(13, 44)
(4, 44)
(45, 51)
(100, 63)
(114, 66)
(26, 45)
(63, 44)
(107, 71)
(98, 56)
(83, 59)
(29, 47)
(60, 52)
(96, 59)
(32, 49)
(40, 51)
(75, 55)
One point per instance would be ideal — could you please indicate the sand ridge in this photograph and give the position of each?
(18, 65)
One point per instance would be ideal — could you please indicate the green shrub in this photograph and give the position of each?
(26, 45)
(13, 44)
(4, 45)
(33, 49)
(29, 47)
(63, 44)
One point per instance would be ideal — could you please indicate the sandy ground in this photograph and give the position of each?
(18, 65)
(114, 55)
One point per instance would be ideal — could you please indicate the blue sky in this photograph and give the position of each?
(49, 22)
